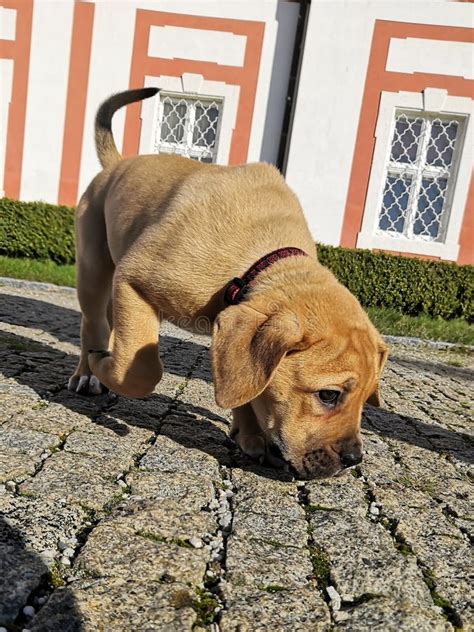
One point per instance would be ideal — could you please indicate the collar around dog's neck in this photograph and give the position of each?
(236, 290)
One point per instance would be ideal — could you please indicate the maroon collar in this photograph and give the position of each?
(236, 290)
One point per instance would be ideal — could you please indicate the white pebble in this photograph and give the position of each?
(227, 483)
(42, 600)
(196, 543)
(10, 485)
(225, 520)
(334, 597)
(48, 554)
(374, 510)
(3, 630)
(29, 611)
(68, 552)
(65, 561)
(229, 493)
(122, 483)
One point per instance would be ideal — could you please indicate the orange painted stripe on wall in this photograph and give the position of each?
(19, 51)
(466, 238)
(81, 41)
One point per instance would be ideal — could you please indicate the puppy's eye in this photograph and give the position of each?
(328, 398)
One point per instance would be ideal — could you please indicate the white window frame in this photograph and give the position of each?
(188, 148)
(432, 100)
(194, 86)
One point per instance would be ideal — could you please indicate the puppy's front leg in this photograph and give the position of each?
(246, 432)
(132, 367)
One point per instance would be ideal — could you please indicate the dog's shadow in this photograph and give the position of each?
(45, 370)
(25, 579)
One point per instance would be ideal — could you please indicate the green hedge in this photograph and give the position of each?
(37, 230)
(411, 286)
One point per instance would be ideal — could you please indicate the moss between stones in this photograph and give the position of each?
(204, 605)
(321, 564)
(449, 612)
(39, 405)
(55, 576)
(405, 549)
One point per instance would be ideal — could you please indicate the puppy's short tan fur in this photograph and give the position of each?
(159, 237)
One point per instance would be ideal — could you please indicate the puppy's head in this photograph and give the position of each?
(307, 366)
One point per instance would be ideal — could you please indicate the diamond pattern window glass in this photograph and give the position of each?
(420, 175)
(188, 126)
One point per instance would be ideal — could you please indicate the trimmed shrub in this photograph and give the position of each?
(411, 286)
(36, 230)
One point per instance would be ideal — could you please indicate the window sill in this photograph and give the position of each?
(447, 251)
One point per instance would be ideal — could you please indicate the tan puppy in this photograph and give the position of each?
(160, 237)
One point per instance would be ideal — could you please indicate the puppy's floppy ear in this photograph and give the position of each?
(375, 399)
(247, 347)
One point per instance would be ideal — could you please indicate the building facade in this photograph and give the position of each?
(366, 106)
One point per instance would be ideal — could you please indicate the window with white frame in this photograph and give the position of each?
(420, 175)
(189, 126)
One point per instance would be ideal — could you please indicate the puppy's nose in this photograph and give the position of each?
(348, 459)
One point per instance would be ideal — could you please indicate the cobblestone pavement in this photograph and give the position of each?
(140, 515)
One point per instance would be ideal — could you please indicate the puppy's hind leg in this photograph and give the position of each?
(94, 272)
(132, 367)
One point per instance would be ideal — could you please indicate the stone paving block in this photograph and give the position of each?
(42, 522)
(280, 611)
(388, 615)
(195, 492)
(108, 444)
(362, 554)
(187, 444)
(15, 398)
(51, 418)
(117, 604)
(260, 564)
(167, 519)
(25, 441)
(145, 413)
(114, 549)
(200, 393)
(77, 478)
(16, 467)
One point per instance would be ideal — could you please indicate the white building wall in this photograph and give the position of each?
(46, 100)
(109, 72)
(330, 92)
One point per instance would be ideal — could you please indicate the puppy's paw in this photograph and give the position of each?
(85, 385)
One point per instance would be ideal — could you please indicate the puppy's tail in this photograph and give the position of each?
(107, 151)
